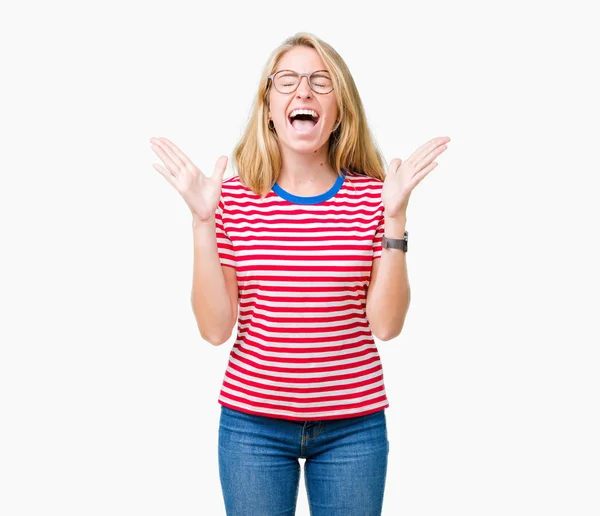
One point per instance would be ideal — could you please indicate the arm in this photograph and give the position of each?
(388, 295)
(214, 289)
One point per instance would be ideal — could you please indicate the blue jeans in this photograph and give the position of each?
(345, 468)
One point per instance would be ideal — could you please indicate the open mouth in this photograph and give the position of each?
(304, 122)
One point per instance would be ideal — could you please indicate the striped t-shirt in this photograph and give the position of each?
(304, 349)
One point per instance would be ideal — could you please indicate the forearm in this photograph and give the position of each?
(389, 295)
(210, 298)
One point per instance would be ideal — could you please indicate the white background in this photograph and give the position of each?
(108, 395)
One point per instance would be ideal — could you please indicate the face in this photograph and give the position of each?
(302, 136)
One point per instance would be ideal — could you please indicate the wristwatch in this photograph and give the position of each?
(395, 243)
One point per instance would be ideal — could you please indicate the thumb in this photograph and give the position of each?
(220, 167)
(394, 165)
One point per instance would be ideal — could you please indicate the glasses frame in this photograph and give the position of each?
(300, 75)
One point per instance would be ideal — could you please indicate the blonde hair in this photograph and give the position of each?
(351, 144)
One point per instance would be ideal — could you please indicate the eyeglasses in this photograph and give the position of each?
(287, 81)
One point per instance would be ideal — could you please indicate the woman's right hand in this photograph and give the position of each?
(201, 193)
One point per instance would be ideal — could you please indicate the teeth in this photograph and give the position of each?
(304, 112)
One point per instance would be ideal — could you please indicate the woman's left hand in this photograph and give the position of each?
(402, 177)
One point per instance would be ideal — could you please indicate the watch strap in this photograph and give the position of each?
(395, 243)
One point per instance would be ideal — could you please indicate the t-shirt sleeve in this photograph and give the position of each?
(377, 249)
(224, 245)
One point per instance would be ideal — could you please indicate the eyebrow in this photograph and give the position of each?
(290, 70)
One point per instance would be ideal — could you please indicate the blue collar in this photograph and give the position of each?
(315, 199)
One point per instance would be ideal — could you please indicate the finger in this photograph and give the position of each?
(219, 169)
(394, 165)
(417, 177)
(166, 174)
(167, 146)
(422, 151)
(173, 168)
(177, 151)
(430, 157)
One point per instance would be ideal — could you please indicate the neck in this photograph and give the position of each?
(304, 170)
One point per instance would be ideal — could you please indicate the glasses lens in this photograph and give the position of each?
(321, 82)
(286, 81)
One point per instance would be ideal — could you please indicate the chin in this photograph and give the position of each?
(305, 147)
(305, 143)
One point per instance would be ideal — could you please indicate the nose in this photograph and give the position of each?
(304, 88)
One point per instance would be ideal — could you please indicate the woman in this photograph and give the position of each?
(295, 239)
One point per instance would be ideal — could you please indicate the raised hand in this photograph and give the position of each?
(402, 177)
(201, 193)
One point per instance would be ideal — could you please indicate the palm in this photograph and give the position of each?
(201, 193)
(394, 194)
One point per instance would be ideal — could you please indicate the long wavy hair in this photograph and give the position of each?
(351, 145)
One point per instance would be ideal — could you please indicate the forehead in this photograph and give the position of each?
(301, 59)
